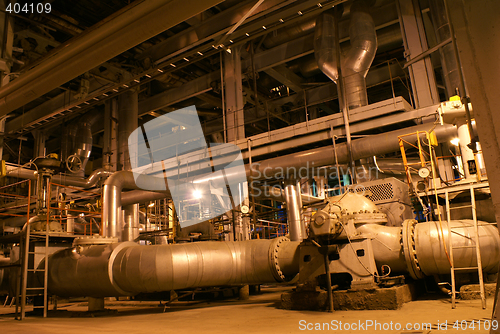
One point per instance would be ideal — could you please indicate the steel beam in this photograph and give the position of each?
(132, 25)
(190, 89)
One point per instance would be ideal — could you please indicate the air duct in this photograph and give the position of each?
(357, 61)
(82, 136)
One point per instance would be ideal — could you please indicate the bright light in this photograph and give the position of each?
(151, 204)
(197, 194)
(455, 141)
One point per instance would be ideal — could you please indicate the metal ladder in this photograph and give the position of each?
(28, 286)
(476, 246)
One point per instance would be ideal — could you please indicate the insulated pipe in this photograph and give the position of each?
(131, 222)
(361, 148)
(112, 205)
(129, 269)
(425, 251)
(418, 248)
(61, 179)
(293, 199)
(358, 60)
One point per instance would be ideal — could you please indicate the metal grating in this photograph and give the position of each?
(377, 192)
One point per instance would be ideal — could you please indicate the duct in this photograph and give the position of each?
(128, 269)
(447, 52)
(388, 38)
(295, 219)
(81, 134)
(358, 60)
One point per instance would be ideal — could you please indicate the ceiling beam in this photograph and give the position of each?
(123, 30)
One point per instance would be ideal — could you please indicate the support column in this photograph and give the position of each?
(423, 81)
(233, 96)
(40, 138)
(295, 219)
(476, 29)
(110, 149)
(6, 40)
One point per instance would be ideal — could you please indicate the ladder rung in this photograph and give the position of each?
(461, 207)
(40, 288)
(35, 270)
(466, 268)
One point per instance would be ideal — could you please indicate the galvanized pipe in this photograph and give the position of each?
(129, 269)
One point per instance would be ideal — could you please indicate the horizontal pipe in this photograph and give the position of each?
(129, 269)
(60, 178)
(368, 146)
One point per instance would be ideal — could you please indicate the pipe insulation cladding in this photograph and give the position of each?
(127, 269)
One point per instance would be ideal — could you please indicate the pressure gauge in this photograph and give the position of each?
(244, 209)
(424, 172)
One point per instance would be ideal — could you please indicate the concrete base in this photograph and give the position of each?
(471, 291)
(369, 299)
(96, 304)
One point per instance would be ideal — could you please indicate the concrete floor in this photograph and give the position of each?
(260, 314)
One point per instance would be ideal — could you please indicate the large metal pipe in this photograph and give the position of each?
(82, 144)
(61, 178)
(112, 204)
(358, 60)
(130, 26)
(293, 199)
(419, 248)
(368, 146)
(431, 238)
(129, 269)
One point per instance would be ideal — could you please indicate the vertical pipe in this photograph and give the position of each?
(340, 89)
(294, 210)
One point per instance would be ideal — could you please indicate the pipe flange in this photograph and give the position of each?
(274, 249)
(94, 240)
(408, 239)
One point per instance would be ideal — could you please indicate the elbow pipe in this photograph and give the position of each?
(361, 54)
(112, 202)
(128, 269)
